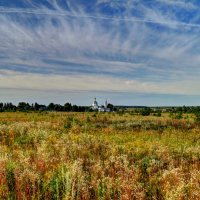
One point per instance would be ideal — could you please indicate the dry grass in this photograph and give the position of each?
(98, 156)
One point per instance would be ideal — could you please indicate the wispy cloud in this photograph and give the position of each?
(61, 45)
(152, 17)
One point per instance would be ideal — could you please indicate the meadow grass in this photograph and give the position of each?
(100, 156)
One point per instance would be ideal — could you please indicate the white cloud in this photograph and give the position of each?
(17, 80)
(98, 42)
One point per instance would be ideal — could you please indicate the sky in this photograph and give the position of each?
(131, 52)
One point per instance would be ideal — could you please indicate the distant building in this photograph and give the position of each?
(103, 108)
(95, 105)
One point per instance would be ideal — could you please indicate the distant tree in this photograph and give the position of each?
(197, 116)
(12, 107)
(1, 107)
(58, 107)
(75, 108)
(8, 107)
(185, 110)
(36, 106)
(110, 106)
(67, 107)
(51, 106)
(179, 109)
(179, 115)
(145, 111)
(22, 106)
(158, 113)
(82, 108)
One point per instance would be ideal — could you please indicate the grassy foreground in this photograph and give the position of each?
(98, 156)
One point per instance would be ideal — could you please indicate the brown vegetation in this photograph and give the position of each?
(98, 156)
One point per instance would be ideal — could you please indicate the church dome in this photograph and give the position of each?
(95, 104)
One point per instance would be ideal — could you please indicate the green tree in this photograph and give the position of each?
(146, 112)
(68, 107)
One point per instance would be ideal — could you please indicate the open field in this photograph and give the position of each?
(98, 156)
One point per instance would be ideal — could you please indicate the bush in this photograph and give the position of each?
(197, 117)
(146, 112)
(179, 115)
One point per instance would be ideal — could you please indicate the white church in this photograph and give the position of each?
(103, 108)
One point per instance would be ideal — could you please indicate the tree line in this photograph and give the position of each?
(175, 112)
(23, 106)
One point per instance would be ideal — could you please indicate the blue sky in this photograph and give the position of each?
(133, 52)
